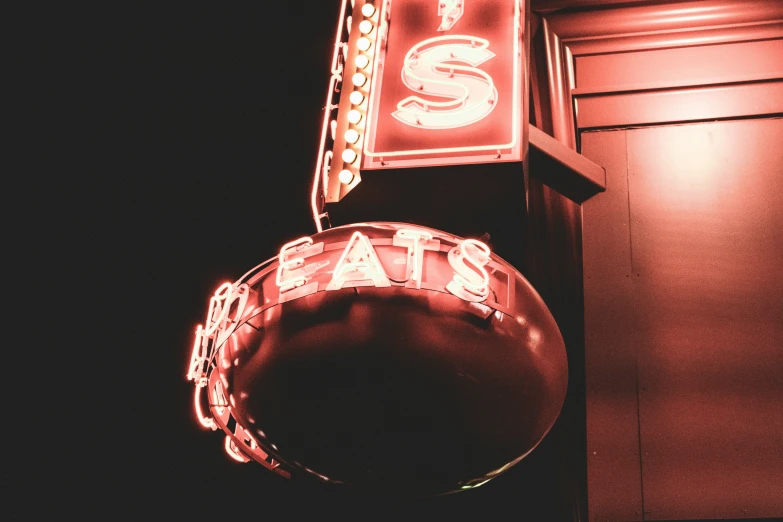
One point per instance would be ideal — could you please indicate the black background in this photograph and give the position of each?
(180, 143)
(227, 106)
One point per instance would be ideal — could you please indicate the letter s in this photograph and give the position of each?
(462, 94)
(470, 284)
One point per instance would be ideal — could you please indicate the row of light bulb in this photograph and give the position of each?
(355, 116)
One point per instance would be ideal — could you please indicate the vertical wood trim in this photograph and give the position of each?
(535, 100)
(614, 475)
(559, 91)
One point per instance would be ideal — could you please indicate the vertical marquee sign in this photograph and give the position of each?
(448, 85)
(419, 83)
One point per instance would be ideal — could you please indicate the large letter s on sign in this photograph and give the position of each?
(463, 94)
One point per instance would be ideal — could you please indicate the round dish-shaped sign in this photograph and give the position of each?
(385, 356)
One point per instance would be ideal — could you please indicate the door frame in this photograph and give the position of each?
(567, 34)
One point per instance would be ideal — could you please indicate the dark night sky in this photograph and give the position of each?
(202, 137)
(200, 142)
(203, 130)
(230, 135)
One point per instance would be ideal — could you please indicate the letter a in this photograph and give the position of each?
(358, 265)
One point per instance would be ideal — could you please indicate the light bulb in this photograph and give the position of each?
(356, 97)
(368, 10)
(363, 43)
(345, 176)
(365, 27)
(359, 79)
(349, 156)
(351, 136)
(354, 116)
(361, 61)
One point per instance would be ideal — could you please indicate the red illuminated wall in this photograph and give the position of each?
(681, 103)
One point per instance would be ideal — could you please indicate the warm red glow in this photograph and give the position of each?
(416, 241)
(358, 262)
(351, 136)
(363, 44)
(362, 61)
(301, 262)
(205, 421)
(448, 66)
(359, 79)
(365, 26)
(346, 176)
(450, 12)
(432, 82)
(232, 451)
(375, 270)
(349, 155)
(354, 116)
(289, 264)
(321, 169)
(196, 356)
(217, 311)
(430, 69)
(471, 279)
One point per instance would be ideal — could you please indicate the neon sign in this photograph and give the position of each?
(416, 241)
(343, 131)
(450, 12)
(408, 257)
(359, 265)
(447, 84)
(340, 288)
(431, 68)
(417, 83)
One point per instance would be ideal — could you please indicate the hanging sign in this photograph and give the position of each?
(417, 83)
(447, 84)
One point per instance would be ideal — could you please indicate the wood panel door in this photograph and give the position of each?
(683, 272)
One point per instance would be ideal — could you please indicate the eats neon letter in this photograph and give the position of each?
(289, 272)
(416, 241)
(358, 263)
(459, 94)
(471, 281)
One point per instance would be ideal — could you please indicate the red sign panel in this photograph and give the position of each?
(447, 85)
